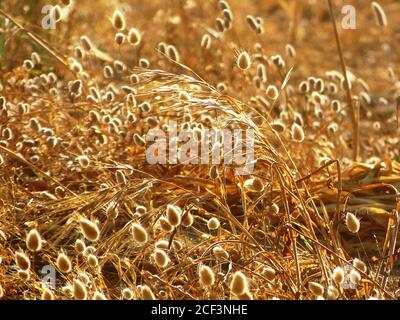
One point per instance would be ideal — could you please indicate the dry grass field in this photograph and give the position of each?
(85, 215)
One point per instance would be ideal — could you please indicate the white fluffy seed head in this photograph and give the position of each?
(139, 233)
(244, 61)
(119, 38)
(34, 241)
(246, 296)
(47, 294)
(80, 246)
(120, 177)
(332, 293)
(316, 289)
(214, 172)
(164, 224)
(24, 275)
(161, 258)
(357, 263)
(79, 290)
(355, 277)
(268, 273)
(92, 260)
(380, 15)
(213, 224)
(64, 263)
(254, 185)
(297, 133)
(206, 42)
(206, 276)
(220, 253)
(338, 275)
(83, 161)
(22, 261)
(239, 283)
(162, 244)
(352, 223)
(86, 43)
(127, 294)
(274, 208)
(141, 210)
(272, 92)
(118, 20)
(28, 65)
(89, 229)
(99, 296)
(187, 220)
(290, 51)
(146, 293)
(134, 37)
(174, 214)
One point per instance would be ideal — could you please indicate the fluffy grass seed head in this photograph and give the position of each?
(34, 241)
(352, 222)
(92, 260)
(239, 283)
(338, 275)
(139, 233)
(332, 293)
(24, 275)
(161, 258)
(47, 294)
(297, 133)
(89, 229)
(243, 61)
(206, 276)
(272, 92)
(213, 223)
(220, 253)
(187, 220)
(354, 277)
(99, 296)
(146, 293)
(165, 225)
(174, 214)
(357, 263)
(83, 161)
(127, 294)
(64, 263)
(134, 37)
(118, 20)
(79, 290)
(269, 273)
(86, 43)
(380, 15)
(22, 261)
(213, 173)
(316, 289)
(162, 244)
(206, 42)
(80, 246)
(274, 208)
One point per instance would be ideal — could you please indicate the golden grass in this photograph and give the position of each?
(77, 193)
